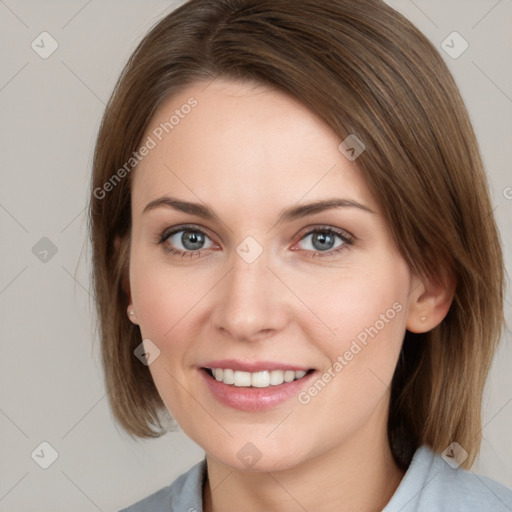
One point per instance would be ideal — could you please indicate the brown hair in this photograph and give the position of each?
(366, 70)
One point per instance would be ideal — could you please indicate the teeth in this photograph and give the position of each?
(228, 376)
(262, 379)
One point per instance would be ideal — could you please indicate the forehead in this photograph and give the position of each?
(237, 142)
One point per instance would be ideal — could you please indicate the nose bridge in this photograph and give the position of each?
(250, 303)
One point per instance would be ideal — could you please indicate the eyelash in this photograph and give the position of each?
(345, 237)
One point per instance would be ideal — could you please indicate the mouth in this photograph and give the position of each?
(261, 379)
(254, 391)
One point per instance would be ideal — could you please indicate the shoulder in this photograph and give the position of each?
(431, 484)
(184, 494)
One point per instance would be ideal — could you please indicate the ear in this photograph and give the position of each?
(121, 249)
(430, 301)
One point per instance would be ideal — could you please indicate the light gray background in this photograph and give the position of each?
(50, 377)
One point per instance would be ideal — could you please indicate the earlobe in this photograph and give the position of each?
(125, 281)
(132, 315)
(429, 303)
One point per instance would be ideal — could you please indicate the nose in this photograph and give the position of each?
(251, 302)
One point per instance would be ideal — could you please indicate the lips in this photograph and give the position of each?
(263, 395)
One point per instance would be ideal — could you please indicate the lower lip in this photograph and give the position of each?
(254, 399)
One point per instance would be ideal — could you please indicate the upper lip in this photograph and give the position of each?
(253, 366)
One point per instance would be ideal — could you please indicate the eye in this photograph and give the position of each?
(189, 241)
(325, 241)
(185, 241)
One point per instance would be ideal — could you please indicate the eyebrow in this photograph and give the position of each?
(289, 214)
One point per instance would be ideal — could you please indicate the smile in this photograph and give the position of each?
(254, 391)
(263, 379)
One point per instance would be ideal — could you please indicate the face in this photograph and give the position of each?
(230, 268)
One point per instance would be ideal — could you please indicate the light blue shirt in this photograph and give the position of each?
(429, 485)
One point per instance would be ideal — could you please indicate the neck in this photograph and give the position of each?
(357, 475)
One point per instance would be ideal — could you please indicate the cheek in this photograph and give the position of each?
(166, 300)
(359, 316)
(361, 331)
(164, 296)
(171, 305)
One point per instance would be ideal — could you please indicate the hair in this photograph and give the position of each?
(365, 70)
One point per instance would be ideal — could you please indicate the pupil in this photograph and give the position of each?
(192, 240)
(323, 238)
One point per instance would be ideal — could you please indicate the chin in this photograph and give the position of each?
(251, 459)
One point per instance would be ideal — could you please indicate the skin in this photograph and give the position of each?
(248, 152)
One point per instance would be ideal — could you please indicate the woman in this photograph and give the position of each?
(295, 257)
